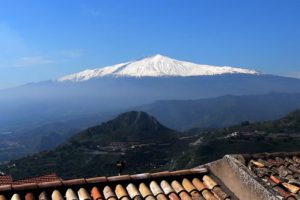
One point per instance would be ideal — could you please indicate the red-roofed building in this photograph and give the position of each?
(5, 180)
(8, 180)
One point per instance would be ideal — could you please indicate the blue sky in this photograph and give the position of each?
(41, 40)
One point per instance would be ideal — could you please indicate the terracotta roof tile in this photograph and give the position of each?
(43, 196)
(5, 180)
(25, 186)
(182, 184)
(140, 176)
(119, 178)
(280, 172)
(144, 190)
(121, 192)
(109, 193)
(198, 184)
(39, 179)
(96, 180)
(56, 195)
(83, 194)
(29, 196)
(166, 187)
(74, 182)
(209, 182)
(71, 195)
(50, 184)
(16, 196)
(208, 195)
(155, 188)
(2, 197)
(5, 188)
(96, 194)
(133, 191)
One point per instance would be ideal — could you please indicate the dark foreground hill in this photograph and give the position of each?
(134, 137)
(146, 145)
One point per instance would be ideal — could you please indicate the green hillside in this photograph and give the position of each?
(146, 145)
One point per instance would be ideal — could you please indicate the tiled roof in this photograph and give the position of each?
(39, 179)
(4, 180)
(191, 184)
(264, 176)
(8, 180)
(281, 172)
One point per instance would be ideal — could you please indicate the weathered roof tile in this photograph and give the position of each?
(144, 190)
(16, 197)
(121, 192)
(56, 195)
(70, 195)
(96, 194)
(43, 196)
(108, 193)
(133, 191)
(155, 188)
(83, 194)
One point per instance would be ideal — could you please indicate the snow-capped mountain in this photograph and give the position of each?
(155, 66)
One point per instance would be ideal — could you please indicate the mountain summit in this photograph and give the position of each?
(155, 66)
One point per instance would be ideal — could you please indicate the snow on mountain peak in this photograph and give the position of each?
(155, 66)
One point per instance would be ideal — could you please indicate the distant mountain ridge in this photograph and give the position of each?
(155, 66)
(222, 111)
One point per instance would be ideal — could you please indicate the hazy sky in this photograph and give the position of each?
(45, 39)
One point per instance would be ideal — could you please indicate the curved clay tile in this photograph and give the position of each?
(187, 185)
(133, 191)
(209, 182)
(190, 188)
(56, 195)
(292, 188)
(155, 188)
(16, 197)
(108, 193)
(180, 191)
(2, 197)
(70, 195)
(168, 190)
(96, 194)
(146, 192)
(121, 192)
(220, 193)
(208, 195)
(43, 196)
(173, 196)
(166, 187)
(29, 196)
(157, 191)
(83, 194)
(198, 184)
(177, 187)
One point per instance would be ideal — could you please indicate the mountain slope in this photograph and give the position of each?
(135, 137)
(155, 66)
(282, 135)
(222, 111)
(145, 145)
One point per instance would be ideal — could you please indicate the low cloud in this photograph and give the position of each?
(294, 74)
